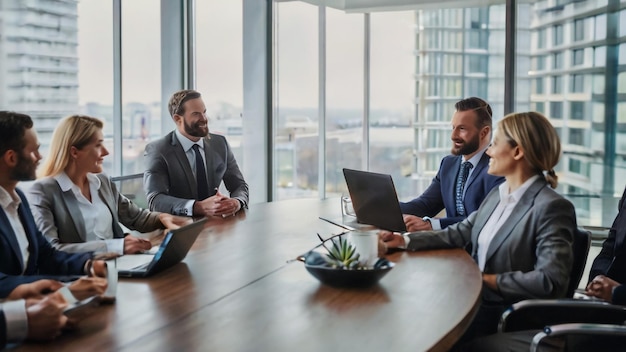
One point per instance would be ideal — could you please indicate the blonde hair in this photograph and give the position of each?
(73, 131)
(538, 139)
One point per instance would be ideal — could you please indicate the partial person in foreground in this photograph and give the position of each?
(521, 235)
(30, 314)
(185, 168)
(25, 254)
(607, 279)
(462, 182)
(77, 207)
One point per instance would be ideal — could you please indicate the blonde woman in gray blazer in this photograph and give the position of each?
(522, 234)
(77, 207)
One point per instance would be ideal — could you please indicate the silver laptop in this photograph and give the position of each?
(374, 199)
(173, 249)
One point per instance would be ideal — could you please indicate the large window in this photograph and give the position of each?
(296, 100)
(141, 80)
(219, 69)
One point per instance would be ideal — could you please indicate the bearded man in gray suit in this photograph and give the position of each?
(185, 168)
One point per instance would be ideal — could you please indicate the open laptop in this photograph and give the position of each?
(172, 250)
(374, 199)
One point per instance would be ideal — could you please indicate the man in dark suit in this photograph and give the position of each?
(175, 162)
(471, 135)
(25, 255)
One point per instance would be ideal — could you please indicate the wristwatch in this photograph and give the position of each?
(426, 218)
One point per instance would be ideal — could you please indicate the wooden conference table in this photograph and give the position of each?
(235, 292)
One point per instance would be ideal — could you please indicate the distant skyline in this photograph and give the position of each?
(219, 54)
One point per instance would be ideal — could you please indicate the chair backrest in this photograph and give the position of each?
(131, 186)
(580, 248)
(534, 314)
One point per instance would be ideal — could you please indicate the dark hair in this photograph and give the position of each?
(482, 108)
(178, 99)
(13, 126)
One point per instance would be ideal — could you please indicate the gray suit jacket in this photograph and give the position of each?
(58, 217)
(531, 253)
(170, 183)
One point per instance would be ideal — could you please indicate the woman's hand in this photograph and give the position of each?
(391, 239)
(173, 222)
(134, 244)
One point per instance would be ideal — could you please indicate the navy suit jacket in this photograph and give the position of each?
(440, 194)
(3, 330)
(611, 261)
(43, 262)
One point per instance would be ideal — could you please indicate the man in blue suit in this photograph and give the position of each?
(471, 135)
(25, 255)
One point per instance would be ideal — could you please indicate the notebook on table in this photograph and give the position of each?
(374, 199)
(173, 249)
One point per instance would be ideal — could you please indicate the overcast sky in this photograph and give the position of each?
(219, 54)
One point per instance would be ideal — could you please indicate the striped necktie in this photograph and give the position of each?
(460, 185)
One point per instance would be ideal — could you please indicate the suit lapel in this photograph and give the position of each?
(448, 183)
(107, 198)
(31, 234)
(482, 163)
(7, 231)
(208, 156)
(183, 162)
(71, 203)
(523, 206)
(485, 212)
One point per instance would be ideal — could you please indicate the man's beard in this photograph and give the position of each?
(25, 170)
(468, 147)
(194, 130)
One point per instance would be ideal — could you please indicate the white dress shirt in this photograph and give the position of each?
(16, 319)
(96, 215)
(10, 203)
(503, 211)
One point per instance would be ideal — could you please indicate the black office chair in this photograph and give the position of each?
(609, 337)
(563, 318)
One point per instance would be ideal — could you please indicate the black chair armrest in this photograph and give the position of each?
(599, 331)
(536, 314)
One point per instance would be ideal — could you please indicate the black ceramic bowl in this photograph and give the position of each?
(314, 264)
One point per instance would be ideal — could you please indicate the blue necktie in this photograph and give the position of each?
(201, 180)
(460, 185)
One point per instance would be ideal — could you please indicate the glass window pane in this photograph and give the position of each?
(296, 100)
(141, 80)
(219, 69)
(344, 96)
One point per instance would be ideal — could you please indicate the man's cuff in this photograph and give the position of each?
(407, 239)
(434, 223)
(189, 207)
(16, 320)
(115, 245)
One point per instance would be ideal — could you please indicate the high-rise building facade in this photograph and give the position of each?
(578, 73)
(460, 54)
(38, 60)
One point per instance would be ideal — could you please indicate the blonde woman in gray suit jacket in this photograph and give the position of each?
(522, 233)
(77, 207)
